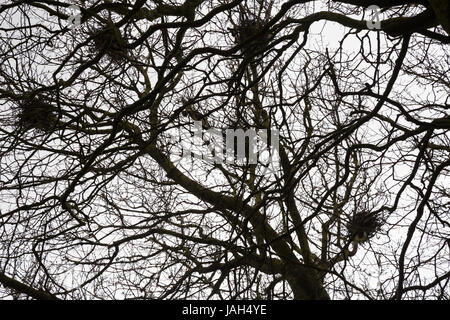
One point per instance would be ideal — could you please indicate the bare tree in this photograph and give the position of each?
(99, 102)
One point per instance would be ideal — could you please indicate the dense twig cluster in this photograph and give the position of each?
(364, 225)
(249, 33)
(111, 40)
(36, 113)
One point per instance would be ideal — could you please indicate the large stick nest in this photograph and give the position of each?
(111, 40)
(36, 113)
(364, 225)
(249, 33)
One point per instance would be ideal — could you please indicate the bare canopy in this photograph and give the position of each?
(100, 200)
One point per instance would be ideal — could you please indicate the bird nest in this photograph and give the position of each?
(249, 33)
(36, 113)
(110, 40)
(364, 225)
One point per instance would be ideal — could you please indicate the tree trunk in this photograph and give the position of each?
(306, 285)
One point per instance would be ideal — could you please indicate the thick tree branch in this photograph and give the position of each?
(25, 289)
